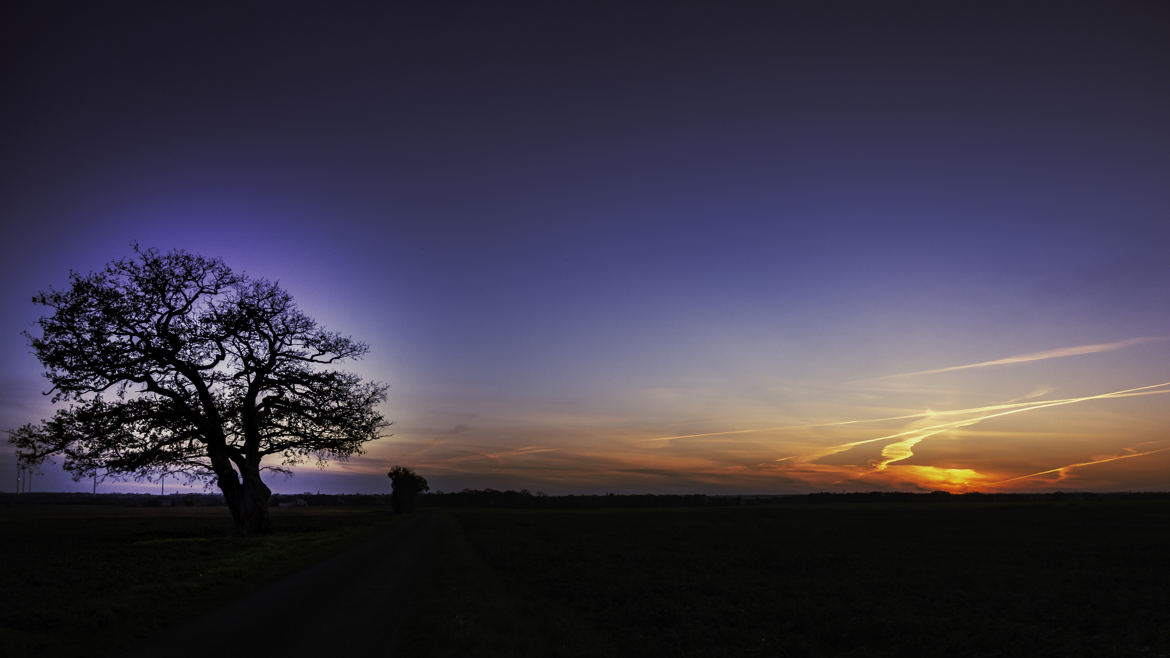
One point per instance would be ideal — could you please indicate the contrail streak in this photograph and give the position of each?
(924, 432)
(1062, 469)
(921, 414)
(1039, 356)
(527, 450)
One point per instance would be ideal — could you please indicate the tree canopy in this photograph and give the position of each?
(174, 364)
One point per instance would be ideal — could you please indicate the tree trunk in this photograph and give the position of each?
(229, 484)
(254, 507)
(248, 502)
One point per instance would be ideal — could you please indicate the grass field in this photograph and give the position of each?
(86, 580)
(1024, 578)
(464, 608)
(1012, 579)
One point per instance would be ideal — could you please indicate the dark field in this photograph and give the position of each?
(1023, 578)
(1087, 578)
(86, 580)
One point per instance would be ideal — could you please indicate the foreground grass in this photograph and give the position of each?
(464, 608)
(1016, 579)
(88, 580)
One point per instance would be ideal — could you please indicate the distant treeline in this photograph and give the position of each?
(525, 499)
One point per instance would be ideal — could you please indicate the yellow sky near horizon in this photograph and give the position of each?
(1039, 421)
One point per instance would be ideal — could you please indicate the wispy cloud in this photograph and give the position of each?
(493, 455)
(1039, 393)
(1039, 356)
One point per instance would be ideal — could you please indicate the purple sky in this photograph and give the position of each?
(569, 229)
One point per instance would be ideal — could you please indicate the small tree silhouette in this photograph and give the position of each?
(406, 486)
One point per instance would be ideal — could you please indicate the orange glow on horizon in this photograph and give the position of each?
(622, 458)
(955, 479)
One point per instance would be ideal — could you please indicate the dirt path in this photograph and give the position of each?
(343, 606)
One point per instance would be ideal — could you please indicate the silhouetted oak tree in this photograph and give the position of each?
(406, 485)
(174, 364)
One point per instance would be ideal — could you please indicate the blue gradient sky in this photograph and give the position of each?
(568, 230)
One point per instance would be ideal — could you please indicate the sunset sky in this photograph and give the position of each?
(769, 247)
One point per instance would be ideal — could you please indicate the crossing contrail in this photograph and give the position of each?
(904, 449)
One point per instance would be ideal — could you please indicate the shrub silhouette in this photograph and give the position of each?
(406, 486)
